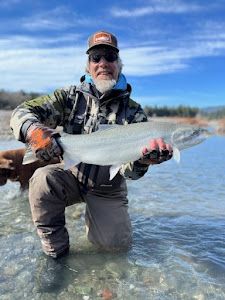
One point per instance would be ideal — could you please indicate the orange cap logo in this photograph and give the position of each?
(102, 37)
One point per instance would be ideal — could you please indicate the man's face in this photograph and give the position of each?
(103, 64)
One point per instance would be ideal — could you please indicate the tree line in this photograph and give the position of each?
(9, 100)
(165, 111)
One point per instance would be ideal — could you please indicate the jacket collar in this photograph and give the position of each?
(121, 90)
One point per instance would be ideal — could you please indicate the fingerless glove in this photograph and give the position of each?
(43, 141)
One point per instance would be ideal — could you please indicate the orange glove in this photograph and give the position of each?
(43, 142)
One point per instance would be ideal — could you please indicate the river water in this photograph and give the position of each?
(178, 218)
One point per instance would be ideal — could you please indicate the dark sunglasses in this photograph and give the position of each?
(109, 57)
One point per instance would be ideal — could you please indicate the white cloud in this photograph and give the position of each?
(40, 69)
(145, 61)
(39, 72)
(36, 64)
(206, 41)
(59, 18)
(210, 31)
(157, 7)
(23, 41)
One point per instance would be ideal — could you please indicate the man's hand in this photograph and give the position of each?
(156, 152)
(43, 142)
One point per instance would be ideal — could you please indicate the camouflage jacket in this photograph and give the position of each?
(79, 110)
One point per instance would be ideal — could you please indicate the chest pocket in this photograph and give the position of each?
(108, 113)
(83, 117)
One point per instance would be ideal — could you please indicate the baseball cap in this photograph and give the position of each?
(102, 38)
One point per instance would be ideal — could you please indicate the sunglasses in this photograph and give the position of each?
(109, 57)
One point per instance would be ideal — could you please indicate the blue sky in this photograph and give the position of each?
(173, 51)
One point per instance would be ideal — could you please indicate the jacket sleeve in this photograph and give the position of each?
(135, 170)
(48, 110)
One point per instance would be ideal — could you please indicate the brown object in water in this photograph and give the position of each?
(11, 167)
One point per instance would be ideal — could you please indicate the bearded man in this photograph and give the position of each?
(103, 97)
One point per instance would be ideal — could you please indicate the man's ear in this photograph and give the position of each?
(6, 164)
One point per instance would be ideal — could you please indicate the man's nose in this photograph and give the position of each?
(103, 60)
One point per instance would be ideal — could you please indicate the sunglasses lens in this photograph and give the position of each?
(109, 57)
(95, 58)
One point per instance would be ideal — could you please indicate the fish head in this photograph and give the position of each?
(188, 136)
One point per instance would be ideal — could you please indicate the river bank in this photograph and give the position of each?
(217, 124)
(5, 130)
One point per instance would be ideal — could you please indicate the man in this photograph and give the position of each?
(103, 97)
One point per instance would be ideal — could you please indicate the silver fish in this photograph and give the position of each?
(116, 145)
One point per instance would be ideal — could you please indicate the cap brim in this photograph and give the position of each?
(102, 44)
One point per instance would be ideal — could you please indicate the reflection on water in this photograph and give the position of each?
(178, 216)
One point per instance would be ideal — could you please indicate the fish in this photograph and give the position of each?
(115, 145)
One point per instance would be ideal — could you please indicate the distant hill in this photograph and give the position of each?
(213, 112)
(167, 111)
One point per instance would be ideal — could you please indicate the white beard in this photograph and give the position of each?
(104, 85)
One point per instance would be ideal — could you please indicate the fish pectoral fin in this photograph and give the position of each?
(176, 154)
(29, 156)
(113, 171)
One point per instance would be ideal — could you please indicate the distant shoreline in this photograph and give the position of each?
(217, 124)
(5, 130)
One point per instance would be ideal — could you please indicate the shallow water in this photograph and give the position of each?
(178, 218)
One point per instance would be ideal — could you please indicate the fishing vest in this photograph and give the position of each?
(87, 113)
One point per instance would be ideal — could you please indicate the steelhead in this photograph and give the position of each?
(115, 145)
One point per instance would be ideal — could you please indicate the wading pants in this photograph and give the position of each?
(51, 189)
